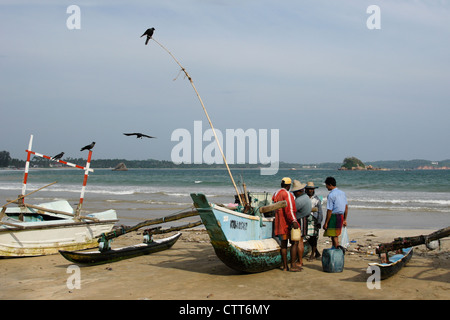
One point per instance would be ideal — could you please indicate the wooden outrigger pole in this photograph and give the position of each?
(123, 230)
(207, 116)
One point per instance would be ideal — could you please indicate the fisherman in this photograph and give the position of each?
(314, 220)
(337, 210)
(303, 210)
(285, 218)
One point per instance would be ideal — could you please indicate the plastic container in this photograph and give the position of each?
(332, 260)
(295, 234)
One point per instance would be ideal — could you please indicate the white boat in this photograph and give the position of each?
(33, 230)
(43, 233)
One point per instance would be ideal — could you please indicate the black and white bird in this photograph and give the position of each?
(88, 147)
(58, 156)
(138, 135)
(148, 33)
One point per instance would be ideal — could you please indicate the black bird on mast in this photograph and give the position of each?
(148, 33)
(138, 135)
(88, 147)
(58, 156)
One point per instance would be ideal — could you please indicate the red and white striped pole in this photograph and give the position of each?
(60, 161)
(86, 174)
(86, 169)
(27, 167)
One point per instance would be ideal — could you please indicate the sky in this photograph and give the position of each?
(314, 71)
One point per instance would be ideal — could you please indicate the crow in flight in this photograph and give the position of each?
(58, 156)
(138, 135)
(148, 33)
(88, 147)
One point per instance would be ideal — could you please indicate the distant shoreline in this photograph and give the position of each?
(417, 164)
(221, 168)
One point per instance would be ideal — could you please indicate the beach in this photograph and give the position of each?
(190, 270)
(393, 204)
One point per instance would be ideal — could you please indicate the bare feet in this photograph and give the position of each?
(296, 269)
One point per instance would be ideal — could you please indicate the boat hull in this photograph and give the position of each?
(113, 255)
(397, 262)
(243, 242)
(248, 260)
(35, 237)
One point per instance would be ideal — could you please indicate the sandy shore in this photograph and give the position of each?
(191, 270)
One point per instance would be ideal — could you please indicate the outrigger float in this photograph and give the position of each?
(112, 255)
(33, 230)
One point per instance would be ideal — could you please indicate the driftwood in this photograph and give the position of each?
(407, 242)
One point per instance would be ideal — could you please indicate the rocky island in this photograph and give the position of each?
(353, 163)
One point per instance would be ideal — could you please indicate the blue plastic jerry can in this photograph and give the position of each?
(332, 260)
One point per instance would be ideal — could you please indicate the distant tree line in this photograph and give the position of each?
(7, 161)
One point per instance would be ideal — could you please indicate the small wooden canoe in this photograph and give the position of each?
(96, 257)
(396, 262)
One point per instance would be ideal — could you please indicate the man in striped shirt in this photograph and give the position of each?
(285, 218)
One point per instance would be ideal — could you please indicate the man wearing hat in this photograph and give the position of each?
(314, 219)
(285, 218)
(303, 210)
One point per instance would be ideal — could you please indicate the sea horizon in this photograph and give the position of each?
(382, 199)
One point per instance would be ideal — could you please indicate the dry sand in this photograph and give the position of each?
(190, 270)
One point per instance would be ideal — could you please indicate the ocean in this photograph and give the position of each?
(377, 199)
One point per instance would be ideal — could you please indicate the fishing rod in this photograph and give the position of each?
(207, 116)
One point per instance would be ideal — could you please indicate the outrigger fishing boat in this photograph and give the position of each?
(243, 241)
(403, 248)
(34, 230)
(106, 254)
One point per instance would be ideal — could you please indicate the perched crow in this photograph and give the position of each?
(148, 33)
(58, 156)
(88, 147)
(138, 135)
